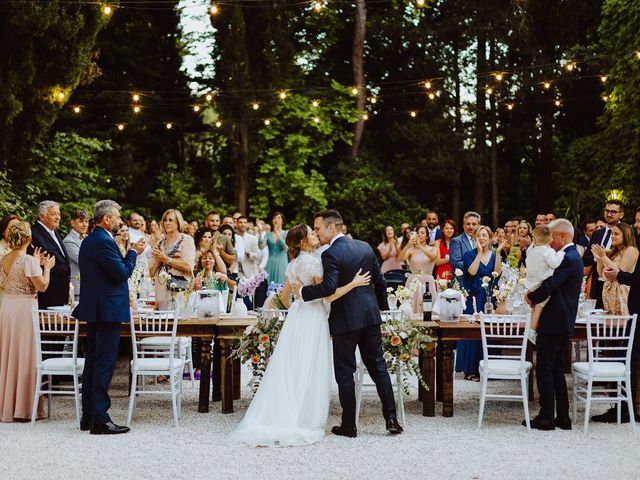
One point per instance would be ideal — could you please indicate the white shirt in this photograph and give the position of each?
(541, 261)
(53, 235)
(134, 236)
(239, 251)
(432, 233)
(472, 241)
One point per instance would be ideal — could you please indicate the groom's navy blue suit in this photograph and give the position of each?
(355, 321)
(104, 305)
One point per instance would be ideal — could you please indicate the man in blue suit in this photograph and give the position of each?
(464, 242)
(354, 319)
(104, 305)
(555, 327)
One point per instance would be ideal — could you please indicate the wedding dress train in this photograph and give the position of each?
(291, 405)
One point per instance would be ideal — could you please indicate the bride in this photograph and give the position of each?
(291, 405)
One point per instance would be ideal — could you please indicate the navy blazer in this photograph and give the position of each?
(458, 246)
(588, 260)
(58, 291)
(360, 307)
(633, 279)
(104, 274)
(563, 289)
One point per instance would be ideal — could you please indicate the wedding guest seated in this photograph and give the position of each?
(173, 259)
(389, 250)
(22, 278)
(420, 257)
(443, 266)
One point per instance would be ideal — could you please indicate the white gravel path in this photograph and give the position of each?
(438, 448)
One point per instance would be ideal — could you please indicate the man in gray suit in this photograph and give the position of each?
(464, 242)
(79, 226)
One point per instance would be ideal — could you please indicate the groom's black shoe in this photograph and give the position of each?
(563, 423)
(540, 423)
(351, 432)
(393, 427)
(85, 425)
(109, 428)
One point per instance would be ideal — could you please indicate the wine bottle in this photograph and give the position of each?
(427, 304)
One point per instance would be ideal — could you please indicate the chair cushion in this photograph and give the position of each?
(62, 363)
(157, 363)
(600, 369)
(504, 367)
(163, 341)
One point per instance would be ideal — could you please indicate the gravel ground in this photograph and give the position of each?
(437, 447)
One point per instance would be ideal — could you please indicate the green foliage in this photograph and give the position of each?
(296, 146)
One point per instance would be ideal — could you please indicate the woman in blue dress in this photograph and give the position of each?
(276, 242)
(477, 264)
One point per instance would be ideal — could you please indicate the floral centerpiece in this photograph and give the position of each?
(249, 285)
(274, 299)
(399, 339)
(134, 283)
(257, 344)
(488, 285)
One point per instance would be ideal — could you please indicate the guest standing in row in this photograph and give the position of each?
(7, 222)
(175, 255)
(72, 242)
(389, 251)
(22, 277)
(276, 241)
(420, 258)
(46, 236)
(477, 264)
(464, 242)
(443, 265)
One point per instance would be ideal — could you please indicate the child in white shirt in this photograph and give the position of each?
(541, 261)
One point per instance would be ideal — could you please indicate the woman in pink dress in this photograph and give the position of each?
(389, 251)
(420, 258)
(443, 267)
(22, 277)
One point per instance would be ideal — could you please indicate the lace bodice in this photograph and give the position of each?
(17, 282)
(303, 268)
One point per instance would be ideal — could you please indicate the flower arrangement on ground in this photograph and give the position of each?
(399, 339)
(257, 344)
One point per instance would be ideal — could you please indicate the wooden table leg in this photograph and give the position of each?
(529, 358)
(439, 389)
(205, 369)
(236, 379)
(420, 387)
(428, 373)
(217, 372)
(447, 379)
(226, 366)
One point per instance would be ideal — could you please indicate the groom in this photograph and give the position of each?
(354, 320)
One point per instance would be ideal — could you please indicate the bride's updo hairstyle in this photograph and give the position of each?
(295, 236)
(19, 234)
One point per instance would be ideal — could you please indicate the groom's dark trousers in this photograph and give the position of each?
(355, 321)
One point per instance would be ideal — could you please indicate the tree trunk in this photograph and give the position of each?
(241, 162)
(544, 165)
(357, 61)
(457, 171)
(494, 146)
(480, 134)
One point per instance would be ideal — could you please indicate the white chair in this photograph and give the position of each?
(151, 345)
(361, 371)
(504, 345)
(55, 328)
(165, 362)
(609, 342)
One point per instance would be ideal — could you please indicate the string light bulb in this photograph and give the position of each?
(570, 66)
(603, 78)
(196, 108)
(638, 54)
(282, 95)
(510, 106)
(420, 3)
(135, 97)
(432, 95)
(61, 95)
(317, 6)
(605, 98)
(169, 125)
(213, 9)
(427, 85)
(136, 109)
(218, 124)
(267, 122)
(208, 97)
(354, 90)
(498, 76)
(489, 90)
(365, 117)
(120, 126)
(557, 103)
(76, 109)
(413, 113)
(546, 85)
(316, 119)
(373, 100)
(255, 106)
(315, 103)
(107, 10)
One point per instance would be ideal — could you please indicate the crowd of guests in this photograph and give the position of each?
(224, 249)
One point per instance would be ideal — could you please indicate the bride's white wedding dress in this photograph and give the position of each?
(291, 405)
